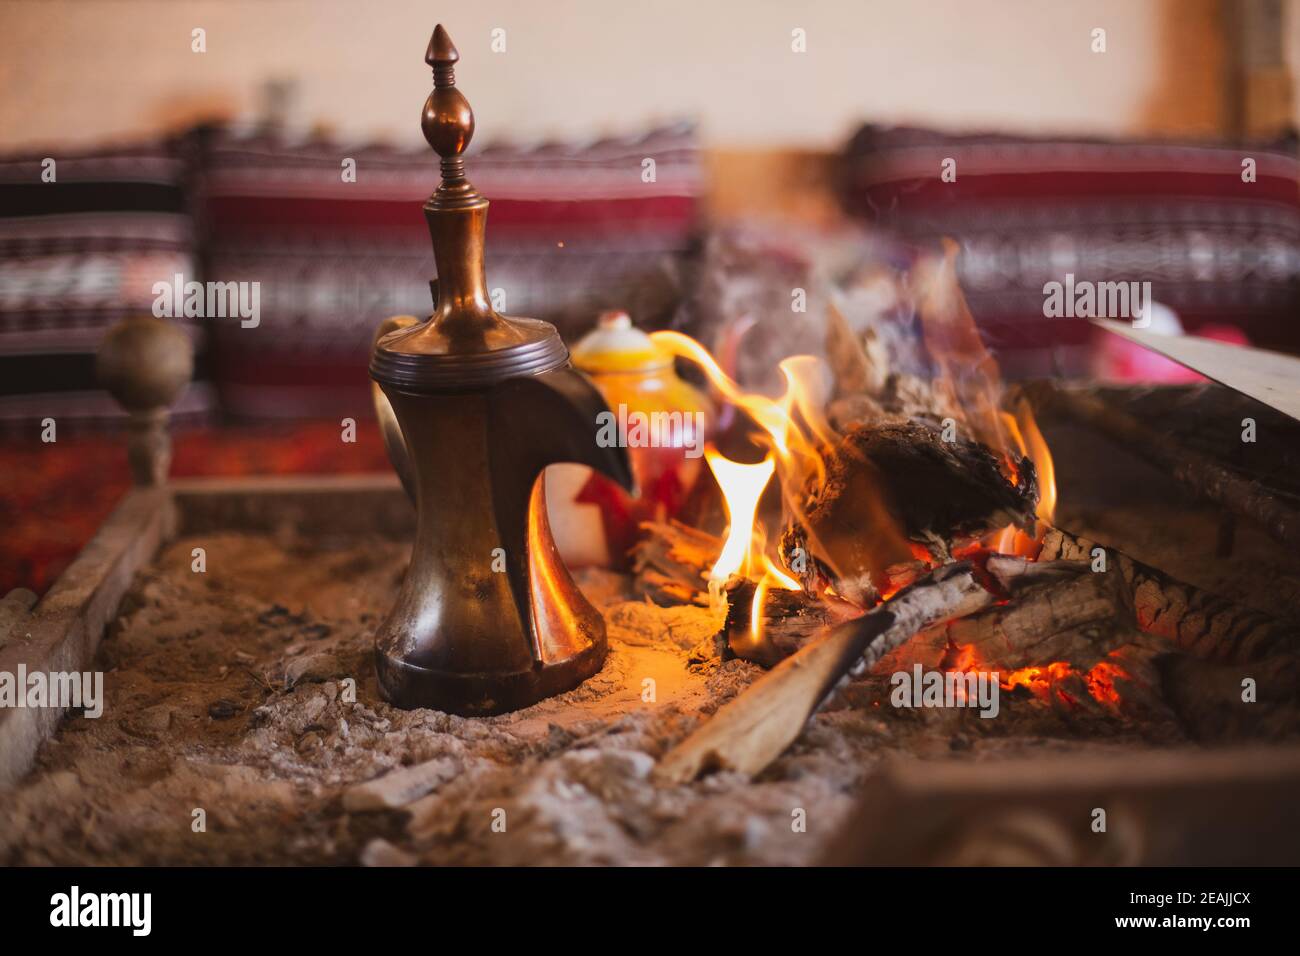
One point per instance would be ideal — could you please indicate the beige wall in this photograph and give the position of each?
(82, 71)
(1293, 55)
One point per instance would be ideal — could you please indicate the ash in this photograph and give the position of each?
(243, 725)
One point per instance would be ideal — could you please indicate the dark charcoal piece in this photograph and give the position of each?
(891, 487)
(790, 620)
(222, 709)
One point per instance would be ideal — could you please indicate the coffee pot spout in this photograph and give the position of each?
(555, 418)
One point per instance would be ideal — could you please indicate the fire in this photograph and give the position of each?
(793, 428)
(1101, 681)
(968, 374)
(1029, 441)
(1041, 456)
(1045, 680)
(796, 450)
(795, 433)
(744, 551)
(970, 378)
(1037, 679)
(742, 487)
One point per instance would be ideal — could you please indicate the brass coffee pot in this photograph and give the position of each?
(476, 405)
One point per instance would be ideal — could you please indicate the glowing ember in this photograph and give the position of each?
(1041, 681)
(1101, 681)
(1038, 679)
(1044, 680)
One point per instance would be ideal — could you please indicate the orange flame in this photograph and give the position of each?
(968, 375)
(793, 427)
(1041, 456)
(796, 433)
(1022, 426)
(742, 487)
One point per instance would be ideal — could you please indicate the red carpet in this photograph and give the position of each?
(54, 497)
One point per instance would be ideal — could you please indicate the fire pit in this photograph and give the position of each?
(917, 618)
(750, 699)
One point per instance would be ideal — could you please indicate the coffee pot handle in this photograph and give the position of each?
(394, 443)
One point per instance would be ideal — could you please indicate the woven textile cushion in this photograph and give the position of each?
(572, 230)
(1218, 250)
(83, 240)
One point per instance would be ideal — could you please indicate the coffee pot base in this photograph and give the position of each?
(484, 695)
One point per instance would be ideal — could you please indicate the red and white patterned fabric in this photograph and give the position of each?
(572, 231)
(77, 253)
(1217, 250)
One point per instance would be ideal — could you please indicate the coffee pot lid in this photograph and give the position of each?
(465, 343)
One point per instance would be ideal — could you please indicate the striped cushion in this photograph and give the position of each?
(572, 230)
(1028, 211)
(76, 255)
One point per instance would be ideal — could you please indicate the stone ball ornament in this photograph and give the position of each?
(145, 362)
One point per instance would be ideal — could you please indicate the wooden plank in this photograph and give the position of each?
(63, 631)
(1211, 479)
(1268, 377)
(1163, 808)
(323, 504)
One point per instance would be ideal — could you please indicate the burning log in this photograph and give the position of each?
(1204, 624)
(752, 730)
(1059, 612)
(787, 621)
(891, 491)
(1069, 637)
(671, 563)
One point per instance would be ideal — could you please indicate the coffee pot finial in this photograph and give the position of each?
(448, 121)
(466, 343)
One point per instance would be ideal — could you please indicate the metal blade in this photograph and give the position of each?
(1268, 377)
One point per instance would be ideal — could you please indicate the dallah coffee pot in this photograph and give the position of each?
(475, 405)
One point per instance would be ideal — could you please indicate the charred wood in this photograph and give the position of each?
(671, 562)
(1204, 624)
(891, 491)
(789, 619)
(752, 730)
(1211, 479)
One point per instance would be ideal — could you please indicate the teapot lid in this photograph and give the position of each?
(616, 345)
